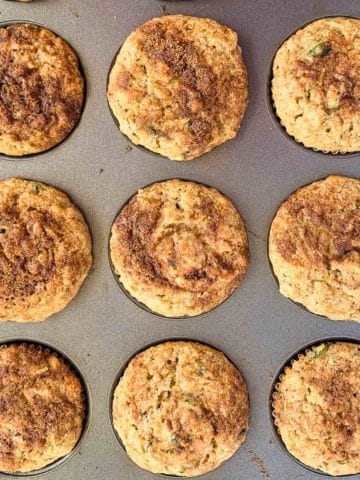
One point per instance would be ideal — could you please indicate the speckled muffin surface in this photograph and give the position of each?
(41, 89)
(314, 247)
(179, 86)
(316, 408)
(179, 247)
(316, 85)
(41, 408)
(181, 408)
(45, 250)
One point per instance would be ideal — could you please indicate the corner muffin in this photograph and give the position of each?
(316, 407)
(45, 250)
(181, 408)
(179, 86)
(179, 247)
(316, 85)
(314, 247)
(41, 408)
(41, 89)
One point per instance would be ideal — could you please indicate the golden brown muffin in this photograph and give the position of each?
(317, 408)
(179, 247)
(41, 89)
(314, 247)
(45, 250)
(179, 86)
(181, 408)
(316, 85)
(41, 408)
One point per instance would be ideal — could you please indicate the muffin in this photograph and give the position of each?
(314, 247)
(41, 89)
(181, 408)
(180, 248)
(45, 250)
(316, 408)
(316, 85)
(179, 86)
(42, 408)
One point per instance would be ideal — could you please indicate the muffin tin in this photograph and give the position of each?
(100, 170)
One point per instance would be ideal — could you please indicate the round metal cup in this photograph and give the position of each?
(86, 397)
(121, 373)
(121, 286)
(298, 304)
(275, 433)
(4, 156)
(271, 106)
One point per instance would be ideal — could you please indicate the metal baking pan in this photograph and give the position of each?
(100, 170)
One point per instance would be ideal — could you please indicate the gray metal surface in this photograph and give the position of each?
(101, 328)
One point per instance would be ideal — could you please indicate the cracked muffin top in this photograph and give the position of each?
(314, 247)
(45, 250)
(41, 408)
(41, 89)
(181, 408)
(316, 85)
(179, 247)
(316, 408)
(179, 86)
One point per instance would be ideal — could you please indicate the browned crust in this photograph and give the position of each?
(41, 408)
(45, 250)
(180, 248)
(317, 408)
(41, 89)
(315, 239)
(181, 408)
(195, 93)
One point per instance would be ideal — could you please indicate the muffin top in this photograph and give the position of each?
(41, 408)
(317, 408)
(316, 85)
(41, 89)
(45, 250)
(179, 247)
(314, 247)
(181, 408)
(179, 86)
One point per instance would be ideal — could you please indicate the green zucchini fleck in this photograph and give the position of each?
(322, 49)
(153, 132)
(320, 351)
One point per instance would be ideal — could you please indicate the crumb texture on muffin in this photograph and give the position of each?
(314, 247)
(45, 250)
(41, 408)
(316, 85)
(179, 247)
(179, 86)
(316, 408)
(181, 408)
(41, 89)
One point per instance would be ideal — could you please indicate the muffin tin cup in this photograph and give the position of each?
(117, 279)
(276, 380)
(271, 104)
(121, 373)
(86, 397)
(298, 304)
(8, 23)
